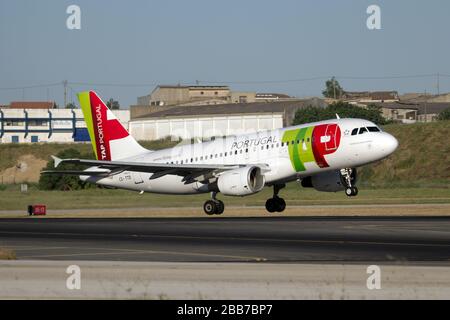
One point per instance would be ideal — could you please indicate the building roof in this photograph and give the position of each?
(263, 95)
(31, 105)
(191, 87)
(422, 108)
(232, 108)
(374, 95)
(422, 97)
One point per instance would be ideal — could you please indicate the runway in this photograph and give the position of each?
(221, 239)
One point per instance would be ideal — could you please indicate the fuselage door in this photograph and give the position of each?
(137, 177)
(330, 138)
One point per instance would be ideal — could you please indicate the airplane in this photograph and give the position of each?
(321, 155)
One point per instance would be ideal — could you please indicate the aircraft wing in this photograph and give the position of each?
(190, 172)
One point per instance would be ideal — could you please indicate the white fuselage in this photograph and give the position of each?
(266, 148)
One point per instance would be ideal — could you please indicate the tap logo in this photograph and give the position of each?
(102, 150)
(311, 144)
(102, 125)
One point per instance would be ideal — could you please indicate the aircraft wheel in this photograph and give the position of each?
(281, 204)
(219, 207)
(210, 207)
(351, 192)
(271, 205)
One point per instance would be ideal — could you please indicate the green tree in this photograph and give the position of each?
(309, 114)
(333, 89)
(71, 105)
(343, 109)
(113, 104)
(444, 115)
(64, 182)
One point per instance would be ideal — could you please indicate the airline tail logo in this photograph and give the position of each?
(102, 125)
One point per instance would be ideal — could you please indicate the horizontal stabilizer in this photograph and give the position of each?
(56, 160)
(79, 173)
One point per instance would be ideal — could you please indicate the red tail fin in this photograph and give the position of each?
(110, 140)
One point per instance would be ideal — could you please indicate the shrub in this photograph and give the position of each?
(444, 115)
(64, 182)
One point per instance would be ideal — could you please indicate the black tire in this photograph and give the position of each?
(220, 207)
(355, 191)
(210, 207)
(349, 192)
(271, 205)
(281, 204)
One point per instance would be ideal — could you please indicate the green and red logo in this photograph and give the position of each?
(311, 144)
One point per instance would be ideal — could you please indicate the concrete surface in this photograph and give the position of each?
(153, 280)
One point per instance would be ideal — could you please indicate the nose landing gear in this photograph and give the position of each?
(348, 177)
(351, 192)
(213, 206)
(276, 204)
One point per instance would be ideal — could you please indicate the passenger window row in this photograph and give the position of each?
(211, 156)
(267, 146)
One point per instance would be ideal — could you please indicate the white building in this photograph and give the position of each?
(204, 122)
(204, 126)
(47, 125)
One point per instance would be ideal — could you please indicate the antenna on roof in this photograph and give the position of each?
(337, 116)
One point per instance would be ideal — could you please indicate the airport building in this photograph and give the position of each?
(204, 122)
(178, 95)
(31, 122)
(169, 95)
(370, 96)
(412, 112)
(407, 108)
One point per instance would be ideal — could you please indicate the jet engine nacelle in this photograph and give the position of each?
(241, 182)
(330, 181)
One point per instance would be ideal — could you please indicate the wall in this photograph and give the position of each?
(203, 127)
(205, 93)
(46, 125)
(403, 115)
(237, 96)
(170, 96)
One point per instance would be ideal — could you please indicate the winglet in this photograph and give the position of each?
(56, 160)
(337, 116)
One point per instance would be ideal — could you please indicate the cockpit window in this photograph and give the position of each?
(362, 130)
(373, 129)
(355, 132)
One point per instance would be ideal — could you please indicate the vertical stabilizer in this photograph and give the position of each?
(110, 140)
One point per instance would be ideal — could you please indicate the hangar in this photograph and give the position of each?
(204, 122)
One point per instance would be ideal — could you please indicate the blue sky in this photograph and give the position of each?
(133, 43)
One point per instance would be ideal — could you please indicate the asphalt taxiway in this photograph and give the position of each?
(221, 239)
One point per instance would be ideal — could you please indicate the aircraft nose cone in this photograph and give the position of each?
(389, 144)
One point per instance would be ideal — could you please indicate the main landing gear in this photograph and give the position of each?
(348, 177)
(276, 204)
(213, 206)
